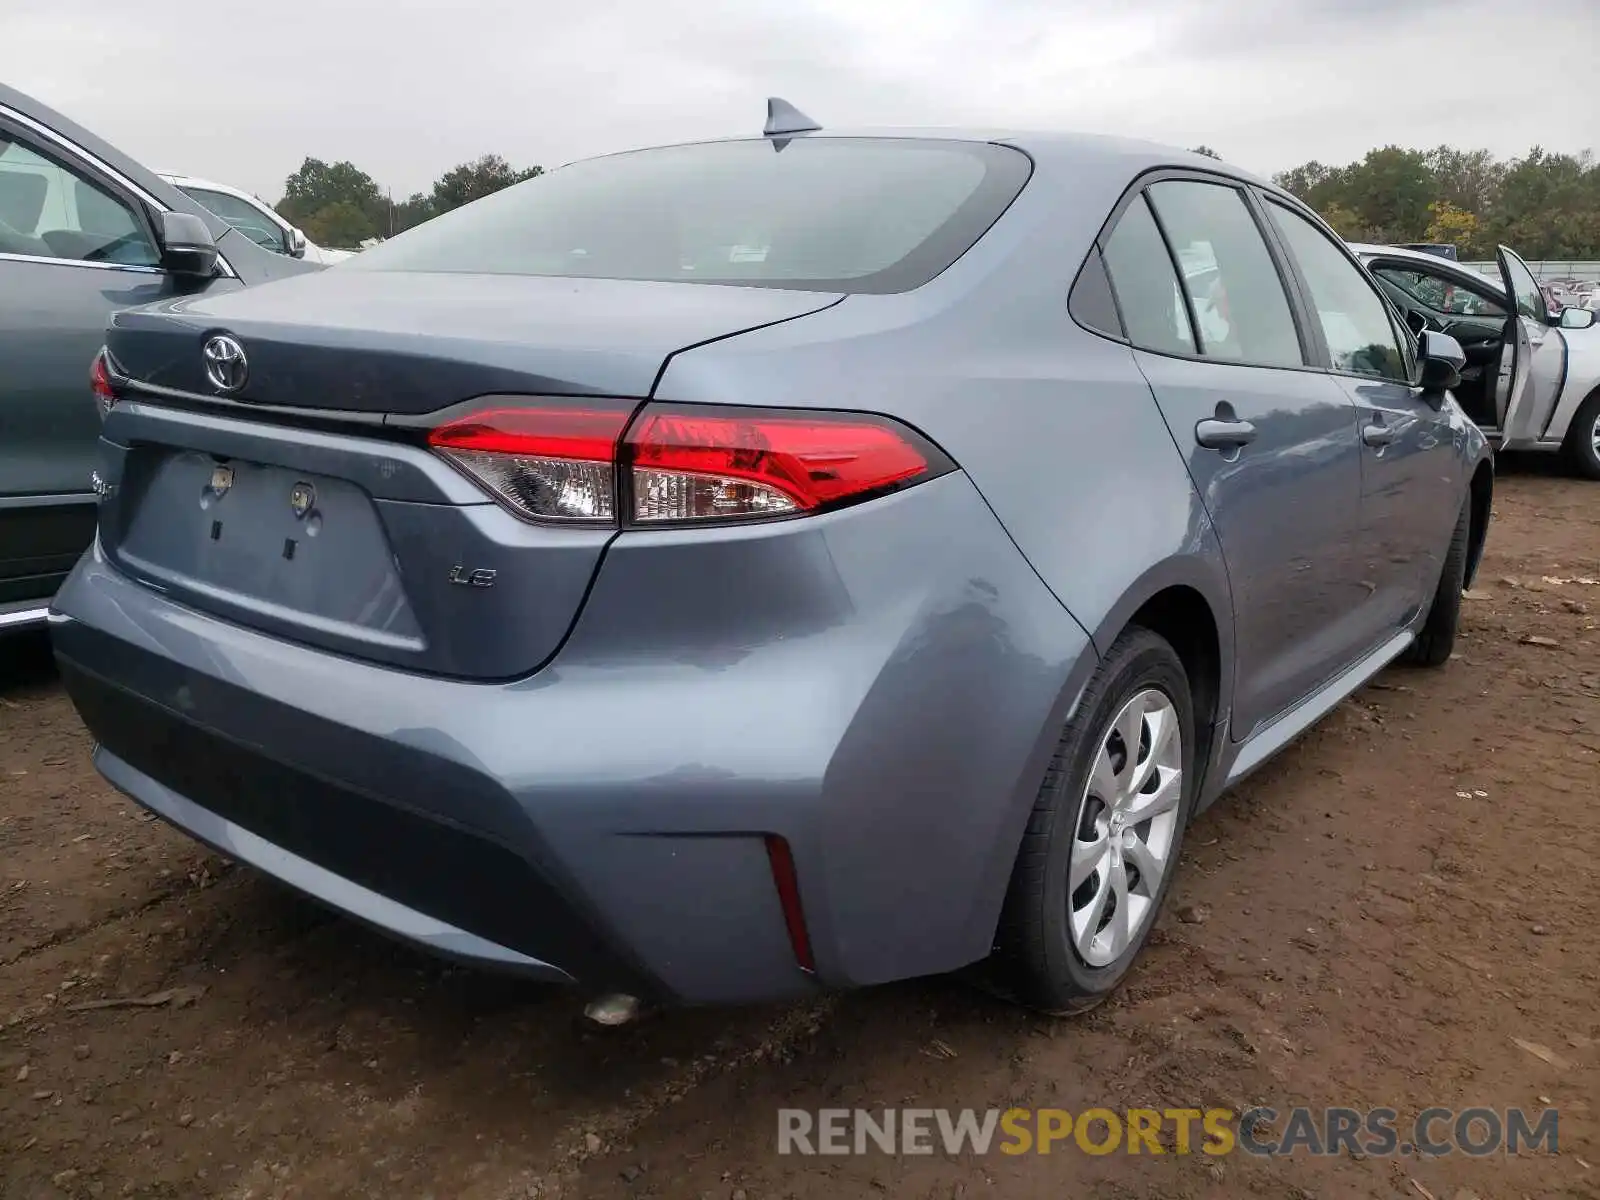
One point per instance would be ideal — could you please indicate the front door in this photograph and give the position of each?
(1272, 447)
(1527, 395)
(74, 246)
(1411, 484)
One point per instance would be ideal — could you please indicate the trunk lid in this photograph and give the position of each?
(398, 343)
(366, 543)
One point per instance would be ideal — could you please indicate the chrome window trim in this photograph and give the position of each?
(81, 262)
(73, 150)
(78, 151)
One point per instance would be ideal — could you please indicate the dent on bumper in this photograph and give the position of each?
(881, 687)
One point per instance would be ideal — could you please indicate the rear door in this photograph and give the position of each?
(1271, 446)
(1527, 395)
(75, 244)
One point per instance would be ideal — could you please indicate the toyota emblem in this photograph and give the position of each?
(226, 366)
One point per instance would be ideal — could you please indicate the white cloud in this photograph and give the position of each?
(243, 91)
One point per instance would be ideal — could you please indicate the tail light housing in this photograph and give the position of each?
(682, 464)
(546, 464)
(101, 382)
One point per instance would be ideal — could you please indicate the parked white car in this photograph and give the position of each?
(1556, 405)
(254, 218)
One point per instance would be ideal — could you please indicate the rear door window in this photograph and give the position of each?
(1154, 314)
(1241, 310)
(819, 213)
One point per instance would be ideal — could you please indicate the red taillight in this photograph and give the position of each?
(105, 394)
(551, 464)
(788, 885)
(681, 463)
(701, 464)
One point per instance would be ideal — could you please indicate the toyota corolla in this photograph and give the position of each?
(718, 572)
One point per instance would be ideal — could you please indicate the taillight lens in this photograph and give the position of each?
(696, 465)
(682, 463)
(551, 464)
(105, 393)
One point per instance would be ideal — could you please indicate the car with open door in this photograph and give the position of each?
(1557, 406)
(84, 231)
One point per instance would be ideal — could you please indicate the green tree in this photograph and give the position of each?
(1467, 179)
(475, 180)
(1549, 206)
(1345, 223)
(1544, 205)
(318, 186)
(1455, 227)
(1390, 191)
(414, 210)
(341, 225)
(1206, 150)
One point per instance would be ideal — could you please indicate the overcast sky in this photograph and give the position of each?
(243, 90)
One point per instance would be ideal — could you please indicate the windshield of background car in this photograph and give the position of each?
(242, 215)
(1441, 294)
(823, 214)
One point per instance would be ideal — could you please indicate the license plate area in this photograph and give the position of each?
(293, 545)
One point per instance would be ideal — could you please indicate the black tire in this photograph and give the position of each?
(1438, 635)
(1036, 961)
(1582, 450)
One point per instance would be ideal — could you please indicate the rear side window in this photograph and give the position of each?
(818, 213)
(1354, 317)
(1091, 302)
(1241, 310)
(1153, 311)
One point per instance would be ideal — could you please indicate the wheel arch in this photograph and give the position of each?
(1187, 600)
(1481, 499)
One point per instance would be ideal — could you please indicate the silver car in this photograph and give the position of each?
(1557, 406)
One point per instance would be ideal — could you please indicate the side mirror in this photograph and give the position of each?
(297, 243)
(1442, 359)
(1577, 318)
(187, 247)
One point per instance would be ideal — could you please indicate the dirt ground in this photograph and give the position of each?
(1403, 910)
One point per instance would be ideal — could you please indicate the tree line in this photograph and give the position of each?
(1544, 205)
(340, 205)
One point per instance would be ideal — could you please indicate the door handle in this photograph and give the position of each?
(1215, 434)
(1377, 434)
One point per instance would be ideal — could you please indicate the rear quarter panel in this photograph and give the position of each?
(1055, 426)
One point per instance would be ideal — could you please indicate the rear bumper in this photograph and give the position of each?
(881, 687)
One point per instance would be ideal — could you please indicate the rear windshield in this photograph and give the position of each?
(824, 214)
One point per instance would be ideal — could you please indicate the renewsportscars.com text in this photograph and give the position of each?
(1265, 1131)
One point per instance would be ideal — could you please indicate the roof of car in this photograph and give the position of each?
(135, 172)
(188, 181)
(1124, 156)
